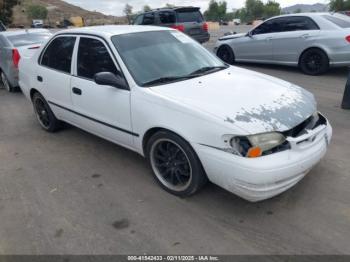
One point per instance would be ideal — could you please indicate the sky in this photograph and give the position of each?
(115, 7)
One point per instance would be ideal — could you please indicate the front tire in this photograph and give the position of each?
(314, 62)
(175, 164)
(44, 114)
(226, 54)
(6, 83)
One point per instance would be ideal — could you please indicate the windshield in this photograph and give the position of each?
(185, 16)
(164, 55)
(28, 39)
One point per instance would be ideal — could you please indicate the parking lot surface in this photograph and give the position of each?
(73, 193)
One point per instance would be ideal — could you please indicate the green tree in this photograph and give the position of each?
(339, 5)
(128, 12)
(255, 9)
(6, 10)
(37, 12)
(297, 11)
(216, 10)
(147, 8)
(271, 8)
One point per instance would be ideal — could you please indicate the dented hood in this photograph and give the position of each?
(252, 101)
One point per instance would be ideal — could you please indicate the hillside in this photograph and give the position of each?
(306, 8)
(59, 10)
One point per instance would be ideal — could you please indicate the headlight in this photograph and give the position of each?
(256, 145)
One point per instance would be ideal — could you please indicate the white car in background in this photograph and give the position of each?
(312, 41)
(156, 91)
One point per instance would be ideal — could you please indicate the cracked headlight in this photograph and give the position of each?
(256, 145)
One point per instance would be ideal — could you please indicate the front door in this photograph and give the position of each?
(257, 45)
(102, 110)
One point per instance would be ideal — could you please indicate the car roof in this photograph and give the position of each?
(310, 14)
(21, 32)
(111, 30)
(175, 8)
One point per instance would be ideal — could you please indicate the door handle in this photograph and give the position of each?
(40, 78)
(305, 36)
(76, 91)
(269, 38)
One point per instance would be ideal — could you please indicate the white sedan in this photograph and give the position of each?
(158, 92)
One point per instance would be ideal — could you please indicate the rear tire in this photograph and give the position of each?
(314, 62)
(175, 164)
(6, 83)
(226, 54)
(44, 114)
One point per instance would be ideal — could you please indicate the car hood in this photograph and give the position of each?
(233, 36)
(252, 101)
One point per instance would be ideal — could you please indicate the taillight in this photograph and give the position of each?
(348, 38)
(205, 27)
(179, 27)
(15, 57)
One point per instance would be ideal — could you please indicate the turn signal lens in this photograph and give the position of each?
(348, 38)
(254, 152)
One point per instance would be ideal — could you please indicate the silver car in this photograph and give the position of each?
(13, 45)
(312, 41)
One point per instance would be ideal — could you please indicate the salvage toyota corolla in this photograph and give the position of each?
(158, 92)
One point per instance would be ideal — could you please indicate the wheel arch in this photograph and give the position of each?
(225, 45)
(313, 47)
(32, 92)
(150, 132)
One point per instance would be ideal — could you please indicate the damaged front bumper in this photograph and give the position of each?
(265, 177)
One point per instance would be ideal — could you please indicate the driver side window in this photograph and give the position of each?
(93, 58)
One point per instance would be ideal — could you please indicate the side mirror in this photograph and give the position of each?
(110, 79)
(250, 34)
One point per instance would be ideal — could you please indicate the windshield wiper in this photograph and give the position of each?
(207, 69)
(167, 79)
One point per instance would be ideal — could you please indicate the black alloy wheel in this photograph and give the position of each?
(314, 62)
(175, 164)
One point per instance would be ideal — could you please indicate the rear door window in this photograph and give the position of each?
(297, 23)
(93, 58)
(185, 16)
(148, 19)
(341, 21)
(58, 55)
(167, 17)
(28, 39)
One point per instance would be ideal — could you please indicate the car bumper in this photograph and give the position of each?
(265, 177)
(203, 38)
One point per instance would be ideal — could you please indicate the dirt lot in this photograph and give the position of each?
(73, 193)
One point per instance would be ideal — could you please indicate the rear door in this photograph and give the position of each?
(192, 20)
(54, 75)
(297, 33)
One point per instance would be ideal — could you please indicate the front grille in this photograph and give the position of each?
(309, 124)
